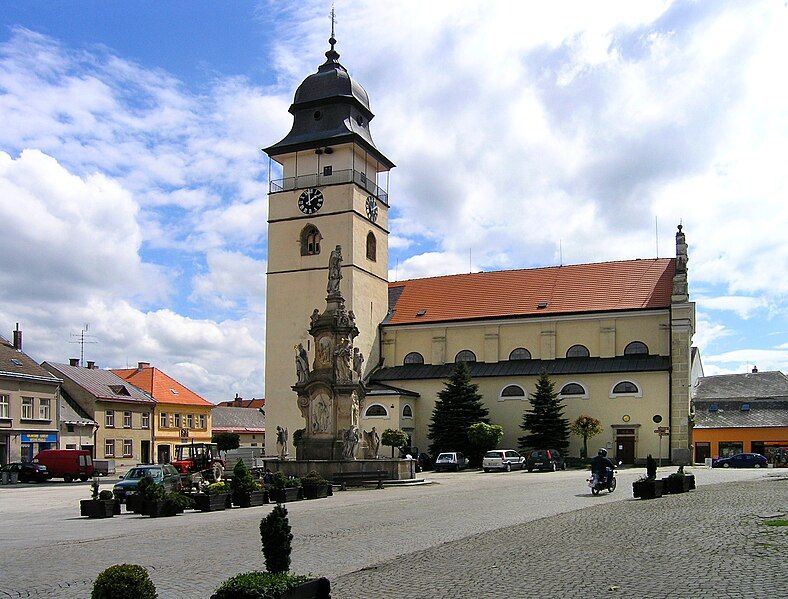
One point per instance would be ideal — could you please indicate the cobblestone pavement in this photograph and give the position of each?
(709, 543)
(47, 551)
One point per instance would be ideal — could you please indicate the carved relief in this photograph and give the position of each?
(320, 417)
(323, 353)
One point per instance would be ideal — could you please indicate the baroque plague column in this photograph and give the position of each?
(331, 392)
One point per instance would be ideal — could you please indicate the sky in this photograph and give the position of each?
(133, 188)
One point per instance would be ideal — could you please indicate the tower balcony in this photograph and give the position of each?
(335, 178)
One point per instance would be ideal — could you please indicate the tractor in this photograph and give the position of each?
(198, 462)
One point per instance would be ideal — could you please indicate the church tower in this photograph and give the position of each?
(329, 194)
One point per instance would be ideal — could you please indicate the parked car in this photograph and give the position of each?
(67, 464)
(502, 459)
(27, 472)
(423, 462)
(741, 460)
(163, 474)
(451, 460)
(546, 459)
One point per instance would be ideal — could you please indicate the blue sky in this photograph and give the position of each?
(133, 186)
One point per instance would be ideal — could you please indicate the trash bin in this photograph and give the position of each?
(13, 477)
(3, 478)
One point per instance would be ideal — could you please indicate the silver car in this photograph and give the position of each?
(502, 459)
(450, 460)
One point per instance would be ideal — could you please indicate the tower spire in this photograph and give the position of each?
(332, 54)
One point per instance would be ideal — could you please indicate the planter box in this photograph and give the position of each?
(315, 491)
(116, 507)
(647, 489)
(675, 484)
(284, 495)
(159, 508)
(211, 503)
(691, 479)
(253, 499)
(135, 503)
(320, 588)
(97, 508)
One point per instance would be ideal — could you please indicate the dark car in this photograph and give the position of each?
(163, 474)
(546, 459)
(27, 472)
(450, 460)
(741, 460)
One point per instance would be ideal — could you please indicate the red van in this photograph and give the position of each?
(66, 463)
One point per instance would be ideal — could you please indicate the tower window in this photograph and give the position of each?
(310, 241)
(372, 247)
(318, 115)
(327, 170)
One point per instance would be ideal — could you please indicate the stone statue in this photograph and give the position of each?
(334, 271)
(358, 362)
(342, 364)
(373, 443)
(315, 316)
(351, 318)
(321, 415)
(302, 363)
(354, 410)
(349, 442)
(281, 442)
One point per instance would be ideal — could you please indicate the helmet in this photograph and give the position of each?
(602, 452)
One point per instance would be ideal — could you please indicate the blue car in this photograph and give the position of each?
(741, 460)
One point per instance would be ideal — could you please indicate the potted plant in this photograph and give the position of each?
(124, 581)
(284, 488)
(246, 491)
(99, 505)
(314, 485)
(215, 498)
(648, 487)
(678, 482)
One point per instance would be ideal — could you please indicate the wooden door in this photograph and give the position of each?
(702, 451)
(625, 450)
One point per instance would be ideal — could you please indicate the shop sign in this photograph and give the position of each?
(39, 437)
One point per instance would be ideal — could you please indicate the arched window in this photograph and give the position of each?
(407, 411)
(520, 354)
(372, 246)
(376, 411)
(512, 392)
(465, 355)
(636, 347)
(413, 357)
(625, 388)
(577, 351)
(310, 241)
(573, 390)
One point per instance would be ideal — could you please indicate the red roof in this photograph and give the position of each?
(600, 287)
(243, 403)
(162, 387)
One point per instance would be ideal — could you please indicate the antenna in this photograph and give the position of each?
(470, 260)
(82, 338)
(656, 233)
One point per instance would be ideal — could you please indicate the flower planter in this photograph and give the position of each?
(159, 508)
(135, 503)
(284, 495)
(319, 588)
(253, 499)
(115, 507)
(211, 503)
(675, 484)
(647, 489)
(691, 481)
(97, 508)
(315, 491)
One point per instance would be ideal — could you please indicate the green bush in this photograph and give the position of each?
(276, 538)
(280, 481)
(678, 474)
(243, 481)
(217, 488)
(125, 581)
(258, 585)
(149, 490)
(177, 500)
(105, 495)
(651, 468)
(313, 479)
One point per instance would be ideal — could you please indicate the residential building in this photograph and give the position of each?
(240, 402)
(77, 428)
(740, 413)
(122, 412)
(28, 404)
(181, 416)
(248, 423)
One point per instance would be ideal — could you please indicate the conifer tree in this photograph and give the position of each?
(459, 405)
(544, 424)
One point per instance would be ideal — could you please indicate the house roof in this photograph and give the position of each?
(561, 366)
(102, 384)
(18, 364)
(238, 420)
(161, 386)
(730, 415)
(749, 386)
(71, 412)
(580, 288)
(243, 403)
(380, 389)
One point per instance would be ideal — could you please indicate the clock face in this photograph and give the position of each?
(372, 209)
(310, 201)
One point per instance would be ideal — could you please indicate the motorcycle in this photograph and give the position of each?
(598, 485)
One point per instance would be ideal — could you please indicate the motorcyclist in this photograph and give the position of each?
(602, 466)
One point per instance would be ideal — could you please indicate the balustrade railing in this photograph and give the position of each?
(317, 180)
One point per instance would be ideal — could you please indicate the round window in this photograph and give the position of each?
(318, 115)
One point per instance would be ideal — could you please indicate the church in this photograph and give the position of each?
(615, 337)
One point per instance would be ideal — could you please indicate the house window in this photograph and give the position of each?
(190, 421)
(126, 419)
(145, 420)
(70, 429)
(512, 392)
(4, 406)
(44, 409)
(635, 348)
(109, 448)
(177, 421)
(310, 241)
(465, 355)
(202, 421)
(128, 449)
(407, 411)
(327, 170)
(27, 408)
(520, 354)
(573, 390)
(577, 351)
(372, 247)
(413, 357)
(625, 388)
(163, 420)
(71, 446)
(109, 419)
(376, 411)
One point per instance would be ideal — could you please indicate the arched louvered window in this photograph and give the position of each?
(625, 388)
(376, 411)
(573, 389)
(372, 247)
(413, 357)
(577, 351)
(512, 392)
(310, 241)
(520, 354)
(635, 348)
(407, 411)
(465, 355)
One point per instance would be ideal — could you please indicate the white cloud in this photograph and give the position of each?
(743, 306)
(742, 360)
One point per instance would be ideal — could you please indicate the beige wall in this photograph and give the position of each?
(14, 426)
(119, 433)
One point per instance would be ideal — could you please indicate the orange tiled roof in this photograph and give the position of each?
(599, 287)
(162, 387)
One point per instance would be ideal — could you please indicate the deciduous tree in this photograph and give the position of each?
(585, 427)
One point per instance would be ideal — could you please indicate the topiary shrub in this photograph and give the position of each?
(217, 488)
(105, 495)
(651, 468)
(125, 581)
(276, 537)
(149, 490)
(258, 585)
(243, 481)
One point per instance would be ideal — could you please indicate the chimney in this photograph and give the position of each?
(17, 338)
(73, 361)
(141, 365)
(91, 365)
(754, 369)
(238, 401)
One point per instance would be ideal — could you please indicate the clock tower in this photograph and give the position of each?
(329, 194)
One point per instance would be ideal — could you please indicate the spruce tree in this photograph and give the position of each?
(544, 424)
(459, 405)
